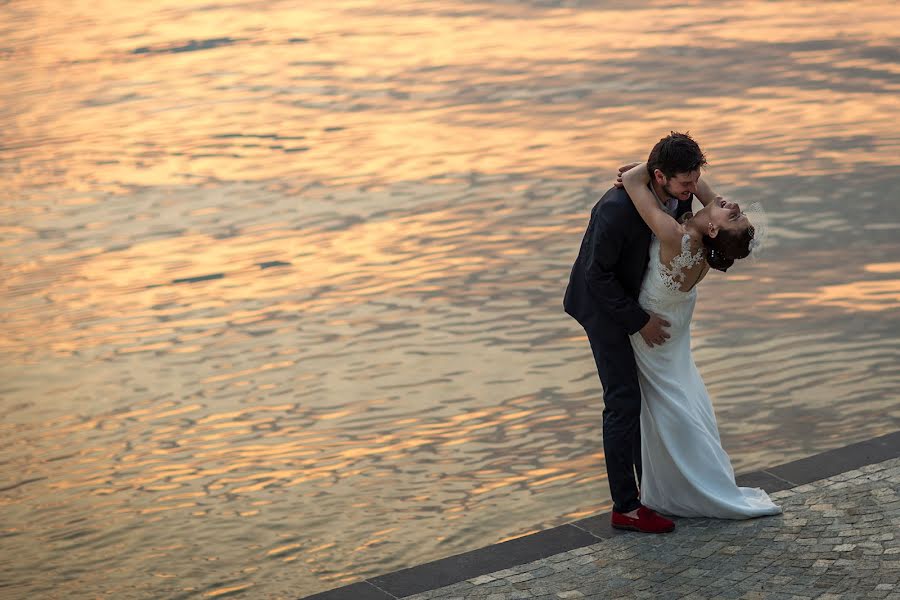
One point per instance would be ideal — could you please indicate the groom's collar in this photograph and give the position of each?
(670, 204)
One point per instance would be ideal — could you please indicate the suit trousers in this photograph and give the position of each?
(621, 416)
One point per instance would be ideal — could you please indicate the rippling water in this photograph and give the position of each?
(282, 281)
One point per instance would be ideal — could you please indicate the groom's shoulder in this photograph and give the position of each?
(615, 203)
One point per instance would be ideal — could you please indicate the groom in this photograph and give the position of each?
(602, 296)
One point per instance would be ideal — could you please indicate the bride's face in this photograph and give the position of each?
(726, 215)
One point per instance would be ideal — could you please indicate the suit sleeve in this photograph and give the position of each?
(606, 244)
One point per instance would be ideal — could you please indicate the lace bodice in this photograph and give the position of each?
(662, 284)
(673, 277)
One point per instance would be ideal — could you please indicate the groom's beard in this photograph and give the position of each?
(671, 194)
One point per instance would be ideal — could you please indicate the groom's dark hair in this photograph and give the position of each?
(675, 153)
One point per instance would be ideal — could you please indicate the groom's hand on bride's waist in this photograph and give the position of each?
(654, 332)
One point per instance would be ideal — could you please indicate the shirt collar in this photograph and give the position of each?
(670, 205)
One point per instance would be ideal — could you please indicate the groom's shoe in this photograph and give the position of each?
(647, 521)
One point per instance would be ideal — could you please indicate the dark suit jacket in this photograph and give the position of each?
(606, 277)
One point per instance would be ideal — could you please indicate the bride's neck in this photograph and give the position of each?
(697, 225)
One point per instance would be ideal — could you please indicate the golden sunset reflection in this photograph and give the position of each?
(145, 87)
(282, 282)
(865, 296)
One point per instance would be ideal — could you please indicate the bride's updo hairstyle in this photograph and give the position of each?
(727, 247)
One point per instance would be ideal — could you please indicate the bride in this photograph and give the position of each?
(686, 472)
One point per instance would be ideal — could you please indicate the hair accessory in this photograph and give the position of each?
(760, 223)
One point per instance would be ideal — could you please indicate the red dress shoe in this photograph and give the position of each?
(647, 521)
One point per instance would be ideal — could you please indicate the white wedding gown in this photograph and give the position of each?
(685, 470)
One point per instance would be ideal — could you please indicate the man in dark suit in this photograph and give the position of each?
(602, 296)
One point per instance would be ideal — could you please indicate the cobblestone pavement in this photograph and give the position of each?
(838, 538)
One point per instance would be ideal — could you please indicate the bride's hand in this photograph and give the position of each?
(622, 169)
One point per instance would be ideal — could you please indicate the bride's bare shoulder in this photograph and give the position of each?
(674, 238)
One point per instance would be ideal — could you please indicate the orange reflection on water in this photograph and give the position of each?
(300, 457)
(864, 295)
(399, 100)
(229, 276)
(149, 281)
(860, 295)
(893, 267)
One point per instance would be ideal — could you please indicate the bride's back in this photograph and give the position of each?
(681, 266)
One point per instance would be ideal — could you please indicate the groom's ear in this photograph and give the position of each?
(659, 176)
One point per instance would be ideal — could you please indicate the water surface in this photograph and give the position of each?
(282, 284)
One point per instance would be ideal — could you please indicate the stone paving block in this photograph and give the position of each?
(800, 554)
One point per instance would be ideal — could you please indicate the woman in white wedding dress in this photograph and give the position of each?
(686, 472)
